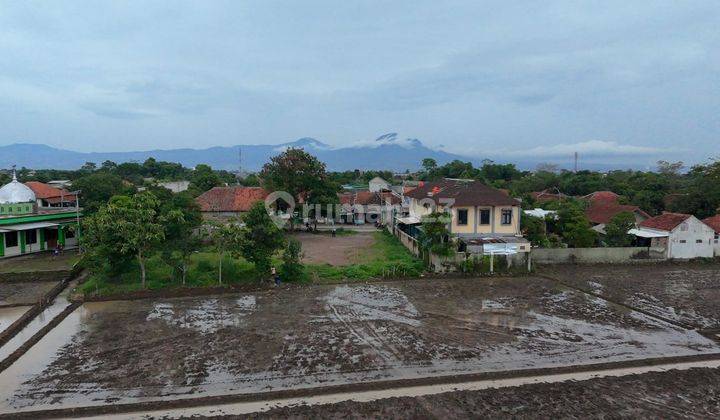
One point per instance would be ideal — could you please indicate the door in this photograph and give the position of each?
(51, 237)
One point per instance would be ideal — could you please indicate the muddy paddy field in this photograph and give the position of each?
(302, 337)
(691, 394)
(685, 293)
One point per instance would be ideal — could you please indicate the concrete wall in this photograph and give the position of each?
(409, 242)
(593, 255)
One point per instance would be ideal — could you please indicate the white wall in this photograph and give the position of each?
(691, 239)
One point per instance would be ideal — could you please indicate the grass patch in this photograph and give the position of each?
(387, 258)
(202, 272)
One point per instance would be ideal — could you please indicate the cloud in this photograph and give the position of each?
(591, 148)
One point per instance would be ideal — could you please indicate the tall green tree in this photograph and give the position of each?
(203, 178)
(98, 188)
(574, 226)
(228, 238)
(127, 226)
(296, 172)
(262, 238)
(292, 268)
(616, 231)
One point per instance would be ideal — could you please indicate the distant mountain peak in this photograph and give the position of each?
(387, 138)
(308, 142)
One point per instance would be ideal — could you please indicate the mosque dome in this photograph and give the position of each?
(16, 192)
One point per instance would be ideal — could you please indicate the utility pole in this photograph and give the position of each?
(576, 162)
(239, 174)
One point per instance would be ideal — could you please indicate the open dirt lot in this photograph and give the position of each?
(675, 394)
(340, 250)
(130, 351)
(28, 293)
(43, 261)
(684, 293)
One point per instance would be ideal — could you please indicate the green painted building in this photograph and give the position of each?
(26, 228)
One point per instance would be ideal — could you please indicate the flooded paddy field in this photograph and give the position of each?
(688, 394)
(24, 293)
(684, 293)
(132, 351)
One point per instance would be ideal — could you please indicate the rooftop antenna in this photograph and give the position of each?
(576, 162)
(239, 174)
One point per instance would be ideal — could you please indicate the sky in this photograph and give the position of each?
(616, 80)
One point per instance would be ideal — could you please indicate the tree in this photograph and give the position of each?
(98, 188)
(616, 231)
(296, 172)
(434, 235)
(534, 229)
(88, 167)
(203, 179)
(180, 238)
(228, 239)
(261, 238)
(292, 268)
(127, 226)
(574, 226)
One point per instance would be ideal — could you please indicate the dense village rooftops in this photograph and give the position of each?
(231, 199)
(666, 221)
(463, 193)
(713, 222)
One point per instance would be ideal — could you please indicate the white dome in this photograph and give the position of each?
(16, 192)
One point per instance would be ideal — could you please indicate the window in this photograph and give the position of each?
(69, 233)
(506, 217)
(484, 216)
(682, 241)
(462, 216)
(30, 236)
(11, 239)
(698, 241)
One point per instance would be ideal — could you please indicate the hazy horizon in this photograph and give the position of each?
(613, 81)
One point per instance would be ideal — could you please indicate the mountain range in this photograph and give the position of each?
(387, 152)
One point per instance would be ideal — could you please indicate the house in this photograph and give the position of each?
(223, 203)
(548, 195)
(359, 207)
(478, 212)
(50, 196)
(26, 227)
(175, 186)
(683, 236)
(378, 184)
(604, 205)
(714, 223)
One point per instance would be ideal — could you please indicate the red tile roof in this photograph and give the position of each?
(462, 193)
(713, 222)
(44, 191)
(230, 199)
(546, 195)
(666, 221)
(603, 196)
(602, 212)
(365, 198)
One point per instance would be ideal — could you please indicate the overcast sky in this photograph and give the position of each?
(625, 79)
